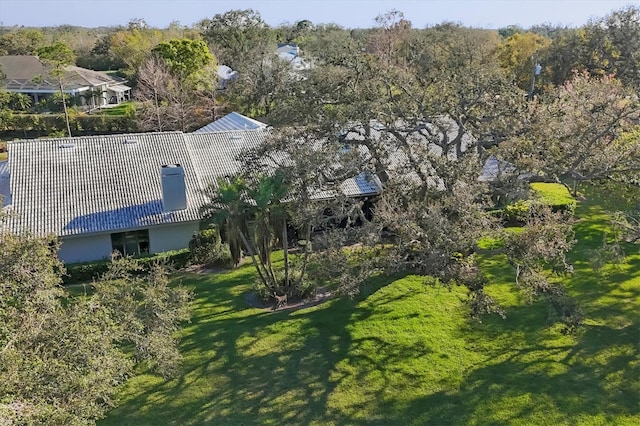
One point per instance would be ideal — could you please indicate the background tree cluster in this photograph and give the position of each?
(242, 40)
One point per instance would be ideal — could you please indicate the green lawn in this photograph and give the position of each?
(119, 110)
(403, 353)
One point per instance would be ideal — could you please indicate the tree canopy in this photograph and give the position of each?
(184, 56)
(62, 357)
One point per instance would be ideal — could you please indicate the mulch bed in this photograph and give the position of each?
(321, 296)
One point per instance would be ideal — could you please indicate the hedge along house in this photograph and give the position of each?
(135, 193)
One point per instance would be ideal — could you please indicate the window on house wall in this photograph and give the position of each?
(131, 243)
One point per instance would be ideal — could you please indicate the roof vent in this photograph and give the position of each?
(236, 138)
(130, 141)
(67, 145)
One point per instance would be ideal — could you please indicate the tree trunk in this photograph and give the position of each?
(305, 259)
(157, 104)
(64, 106)
(285, 248)
(258, 265)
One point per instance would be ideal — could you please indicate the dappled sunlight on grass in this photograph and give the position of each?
(404, 353)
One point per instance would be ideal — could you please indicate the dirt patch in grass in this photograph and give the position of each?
(321, 295)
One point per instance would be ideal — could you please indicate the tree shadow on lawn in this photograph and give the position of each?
(594, 381)
(252, 366)
(218, 293)
(532, 369)
(535, 375)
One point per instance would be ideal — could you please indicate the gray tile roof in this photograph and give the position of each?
(217, 154)
(96, 184)
(89, 184)
(232, 121)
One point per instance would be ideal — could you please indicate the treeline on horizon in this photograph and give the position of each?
(604, 46)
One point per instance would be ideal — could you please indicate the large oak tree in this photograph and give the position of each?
(61, 357)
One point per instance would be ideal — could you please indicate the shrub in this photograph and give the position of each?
(207, 248)
(89, 271)
(35, 125)
(517, 213)
(85, 272)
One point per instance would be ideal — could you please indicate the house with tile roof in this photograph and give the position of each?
(135, 193)
(141, 193)
(30, 76)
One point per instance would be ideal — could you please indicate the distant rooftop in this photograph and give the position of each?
(25, 72)
(232, 121)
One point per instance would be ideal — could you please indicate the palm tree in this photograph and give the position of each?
(90, 96)
(20, 101)
(252, 216)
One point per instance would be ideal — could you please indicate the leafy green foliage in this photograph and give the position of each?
(517, 213)
(61, 359)
(236, 34)
(36, 125)
(58, 54)
(537, 251)
(206, 247)
(77, 273)
(21, 41)
(517, 55)
(184, 56)
(576, 132)
(133, 46)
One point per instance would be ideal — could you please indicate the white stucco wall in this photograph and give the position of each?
(173, 237)
(98, 246)
(85, 248)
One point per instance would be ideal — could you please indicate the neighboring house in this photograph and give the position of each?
(135, 193)
(225, 76)
(290, 52)
(30, 76)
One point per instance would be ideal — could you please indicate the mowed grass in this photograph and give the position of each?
(119, 110)
(403, 353)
